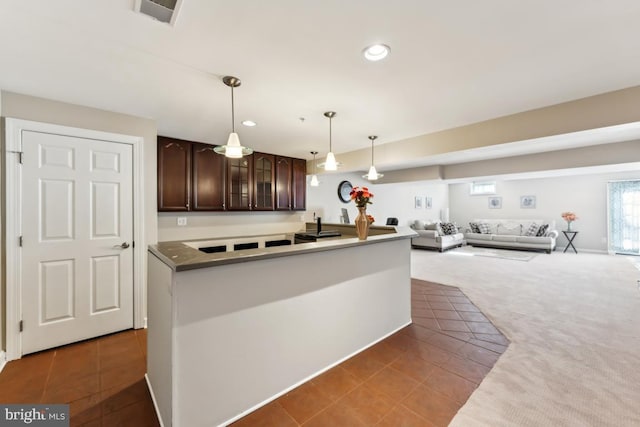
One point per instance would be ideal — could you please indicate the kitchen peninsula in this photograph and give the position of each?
(230, 331)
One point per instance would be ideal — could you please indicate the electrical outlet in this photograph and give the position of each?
(182, 220)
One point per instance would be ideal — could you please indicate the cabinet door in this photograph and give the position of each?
(264, 181)
(209, 179)
(239, 183)
(174, 174)
(283, 183)
(299, 184)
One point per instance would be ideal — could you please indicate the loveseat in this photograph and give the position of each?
(530, 234)
(432, 235)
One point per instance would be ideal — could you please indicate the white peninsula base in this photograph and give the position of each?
(227, 339)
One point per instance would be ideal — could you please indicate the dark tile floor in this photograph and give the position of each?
(102, 380)
(420, 376)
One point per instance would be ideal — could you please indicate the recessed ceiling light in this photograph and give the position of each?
(249, 123)
(376, 52)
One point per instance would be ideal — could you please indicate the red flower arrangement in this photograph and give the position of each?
(371, 219)
(361, 196)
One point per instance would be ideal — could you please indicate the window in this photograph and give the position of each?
(624, 217)
(483, 188)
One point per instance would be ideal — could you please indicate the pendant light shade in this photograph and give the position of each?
(330, 164)
(373, 174)
(233, 149)
(314, 177)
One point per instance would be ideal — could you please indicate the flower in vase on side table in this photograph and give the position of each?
(362, 197)
(569, 217)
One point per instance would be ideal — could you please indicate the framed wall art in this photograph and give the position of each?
(495, 202)
(527, 202)
(418, 202)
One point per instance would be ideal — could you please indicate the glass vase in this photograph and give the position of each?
(569, 225)
(362, 223)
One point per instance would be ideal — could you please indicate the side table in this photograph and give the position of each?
(570, 235)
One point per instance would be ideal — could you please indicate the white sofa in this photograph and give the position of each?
(510, 234)
(431, 236)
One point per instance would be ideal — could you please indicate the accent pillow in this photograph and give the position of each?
(433, 226)
(532, 230)
(484, 228)
(474, 227)
(449, 228)
(509, 229)
(418, 225)
(542, 231)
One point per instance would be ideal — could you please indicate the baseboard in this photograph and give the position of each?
(3, 360)
(310, 377)
(153, 398)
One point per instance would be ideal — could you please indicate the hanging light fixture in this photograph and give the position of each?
(233, 149)
(314, 177)
(330, 164)
(373, 174)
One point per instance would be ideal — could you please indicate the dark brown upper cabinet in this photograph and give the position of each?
(174, 174)
(284, 175)
(240, 184)
(299, 185)
(208, 179)
(193, 177)
(264, 172)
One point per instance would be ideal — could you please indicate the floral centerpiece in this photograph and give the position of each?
(569, 217)
(362, 197)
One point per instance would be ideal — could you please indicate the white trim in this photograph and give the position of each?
(153, 399)
(14, 129)
(3, 360)
(310, 377)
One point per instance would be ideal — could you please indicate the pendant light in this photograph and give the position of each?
(314, 177)
(330, 164)
(233, 149)
(373, 174)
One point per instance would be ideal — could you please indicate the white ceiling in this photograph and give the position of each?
(451, 63)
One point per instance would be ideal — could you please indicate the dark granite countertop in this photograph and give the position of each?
(180, 256)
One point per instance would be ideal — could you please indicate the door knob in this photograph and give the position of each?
(124, 245)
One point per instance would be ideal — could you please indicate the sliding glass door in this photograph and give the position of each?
(624, 217)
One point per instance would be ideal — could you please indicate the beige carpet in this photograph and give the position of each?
(574, 325)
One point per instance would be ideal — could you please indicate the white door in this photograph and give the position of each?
(77, 259)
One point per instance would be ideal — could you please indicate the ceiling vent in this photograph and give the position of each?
(160, 10)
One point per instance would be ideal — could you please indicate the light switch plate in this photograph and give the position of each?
(182, 220)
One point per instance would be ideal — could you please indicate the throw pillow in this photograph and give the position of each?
(449, 228)
(484, 228)
(418, 225)
(474, 227)
(433, 226)
(542, 231)
(532, 230)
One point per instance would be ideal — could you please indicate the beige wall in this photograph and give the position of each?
(608, 109)
(586, 195)
(25, 107)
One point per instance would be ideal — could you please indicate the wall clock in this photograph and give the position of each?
(344, 188)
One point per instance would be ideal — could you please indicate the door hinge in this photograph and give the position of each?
(19, 153)
(20, 241)
(21, 326)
